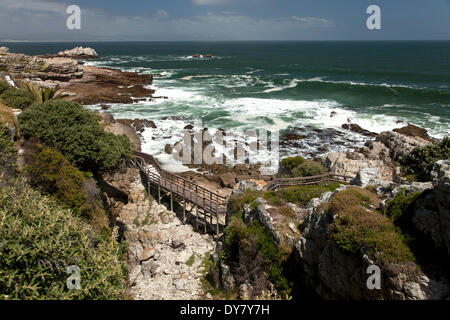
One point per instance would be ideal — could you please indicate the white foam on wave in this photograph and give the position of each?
(292, 84)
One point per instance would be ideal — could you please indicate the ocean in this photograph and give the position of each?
(307, 88)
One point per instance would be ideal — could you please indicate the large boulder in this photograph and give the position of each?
(369, 176)
(399, 144)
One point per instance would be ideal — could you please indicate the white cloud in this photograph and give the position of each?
(162, 13)
(46, 20)
(208, 2)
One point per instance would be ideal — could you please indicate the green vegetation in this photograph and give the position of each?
(253, 247)
(4, 86)
(39, 239)
(8, 153)
(399, 207)
(308, 169)
(52, 173)
(287, 212)
(358, 228)
(419, 163)
(292, 162)
(298, 194)
(191, 260)
(75, 132)
(300, 167)
(17, 98)
(247, 197)
(40, 94)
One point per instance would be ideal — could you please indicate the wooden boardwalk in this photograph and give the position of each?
(207, 205)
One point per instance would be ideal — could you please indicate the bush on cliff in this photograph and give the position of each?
(17, 98)
(358, 228)
(421, 160)
(75, 132)
(254, 256)
(298, 194)
(39, 239)
(53, 174)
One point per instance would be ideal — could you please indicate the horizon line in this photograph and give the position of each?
(339, 40)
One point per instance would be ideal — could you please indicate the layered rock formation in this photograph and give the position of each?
(84, 84)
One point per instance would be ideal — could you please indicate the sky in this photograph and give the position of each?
(216, 20)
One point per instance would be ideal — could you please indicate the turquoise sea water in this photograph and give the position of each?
(290, 86)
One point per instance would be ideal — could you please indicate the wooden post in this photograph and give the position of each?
(184, 202)
(211, 204)
(171, 196)
(196, 217)
(217, 218)
(204, 218)
(159, 191)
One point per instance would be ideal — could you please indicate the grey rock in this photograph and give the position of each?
(227, 278)
(180, 284)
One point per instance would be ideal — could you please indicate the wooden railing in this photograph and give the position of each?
(181, 187)
(323, 178)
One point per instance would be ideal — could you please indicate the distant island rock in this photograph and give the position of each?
(79, 53)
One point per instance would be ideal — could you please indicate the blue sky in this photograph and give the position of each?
(45, 20)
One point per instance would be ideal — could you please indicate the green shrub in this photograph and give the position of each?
(52, 173)
(247, 197)
(358, 229)
(308, 169)
(17, 98)
(303, 194)
(292, 162)
(400, 206)
(39, 239)
(273, 198)
(75, 132)
(4, 86)
(419, 162)
(253, 246)
(8, 153)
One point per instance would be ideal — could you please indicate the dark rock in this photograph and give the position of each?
(356, 128)
(414, 131)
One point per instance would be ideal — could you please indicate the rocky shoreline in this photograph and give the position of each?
(79, 82)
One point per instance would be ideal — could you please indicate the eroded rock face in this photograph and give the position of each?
(400, 145)
(432, 215)
(382, 153)
(338, 275)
